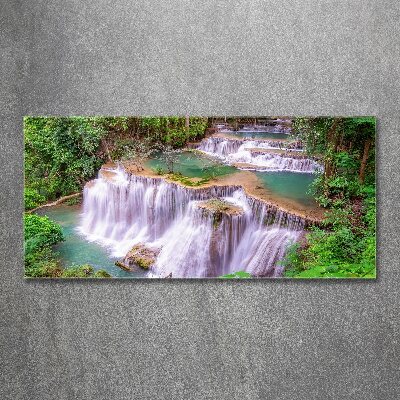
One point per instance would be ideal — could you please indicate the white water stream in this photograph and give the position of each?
(237, 152)
(121, 210)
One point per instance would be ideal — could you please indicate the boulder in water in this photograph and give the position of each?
(140, 256)
(219, 207)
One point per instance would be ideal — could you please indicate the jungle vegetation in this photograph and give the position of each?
(345, 243)
(63, 153)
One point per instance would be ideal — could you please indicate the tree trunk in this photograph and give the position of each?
(54, 203)
(364, 160)
(332, 142)
(350, 146)
(187, 122)
(341, 142)
(328, 169)
(331, 136)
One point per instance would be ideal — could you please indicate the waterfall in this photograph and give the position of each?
(251, 154)
(271, 162)
(121, 210)
(221, 147)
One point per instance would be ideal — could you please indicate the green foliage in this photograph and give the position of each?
(345, 244)
(159, 170)
(101, 273)
(73, 201)
(346, 163)
(41, 230)
(173, 130)
(41, 262)
(346, 250)
(187, 181)
(176, 137)
(60, 153)
(292, 260)
(84, 271)
(336, 190)
(63, 153)
(78, 271)
(237, 275)
(348, 153)
(40, 234)
(32, 198)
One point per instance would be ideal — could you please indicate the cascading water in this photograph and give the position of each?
(271, 162)
(221, 147)
(121, 210)
(251, 154)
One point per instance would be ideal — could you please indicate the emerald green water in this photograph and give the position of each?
(292, 185)
(194, 165)
(76, 249)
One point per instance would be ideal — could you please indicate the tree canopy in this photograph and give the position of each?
(345, 243)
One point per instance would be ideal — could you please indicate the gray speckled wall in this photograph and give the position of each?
(199, 339)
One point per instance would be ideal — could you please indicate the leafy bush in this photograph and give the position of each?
(346, 163)
(344, 246)
(176, 138)
(80, 271)
(41, 263)
(84, 271)
(61, 153)
(344, 251)
(41, 231)
(40, 234)
(292, 260)
(32, 198)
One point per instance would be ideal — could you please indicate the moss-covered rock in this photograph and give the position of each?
(216, 205)
(140, 256)
(101, 273)
(187, 181)
(219, 207)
